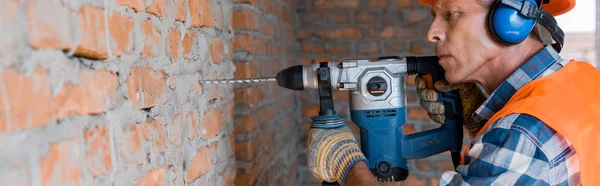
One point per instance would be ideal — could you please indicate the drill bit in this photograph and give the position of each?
(249, 80)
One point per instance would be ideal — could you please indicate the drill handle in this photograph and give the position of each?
(449, 136)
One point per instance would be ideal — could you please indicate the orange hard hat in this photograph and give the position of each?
(554, 7)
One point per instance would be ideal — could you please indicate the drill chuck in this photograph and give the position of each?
(291, 78)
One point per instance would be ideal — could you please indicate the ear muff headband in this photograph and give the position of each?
(511, 21)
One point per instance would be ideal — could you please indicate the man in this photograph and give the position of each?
(536, 127)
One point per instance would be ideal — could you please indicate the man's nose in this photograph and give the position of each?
(435, 32)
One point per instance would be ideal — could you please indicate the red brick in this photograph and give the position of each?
(231, 107)
(213, 122)
(248, 96)
(322, 59)
(121, 31)
(305, 62)
(156, 133)
(243, 19)
(174, 44)
(244, 42)
(98, 152)
(341, 96)
(417, 113)
(95, 89)
(216, 49)
(434, 181)
(136, 5)
(422, 164)
(131, 146)
(249, 177)
(287, 16)
(244, 124)
(200, 164)
(201, 12)
(402, 3)
(302, 33)
(31, 104)
(28, 105)
(195, 127)
(62, 164)
(154, 177)
(310, 47)
(267, 28)
(443, 165)
(245, 69)
(180, 8)
(376, 3)
(421, 47)
(339, 33)
(393, 32)
(338, 49)
(368, 47)
(325, 4)
(92, 33)
(414, 180)
(269, 8)
(417, 15)
(310, 17)
(394, 46)
(151, 39)
(188, 44)
(49, 24)
(157, 8)
(244, 150)
(365, 17)
(311, 110)
(146, 87)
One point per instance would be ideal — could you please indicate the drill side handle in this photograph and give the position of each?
(448, 137)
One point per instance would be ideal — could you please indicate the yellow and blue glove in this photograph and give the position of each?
(470, 95)
(332, 152)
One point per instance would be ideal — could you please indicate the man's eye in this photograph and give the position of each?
(452, 15)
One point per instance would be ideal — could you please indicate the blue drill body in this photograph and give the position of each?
(378, 107)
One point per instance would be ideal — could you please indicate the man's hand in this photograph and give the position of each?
(471, 98)
(332, 152)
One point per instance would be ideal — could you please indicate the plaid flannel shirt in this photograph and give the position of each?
(518, 149)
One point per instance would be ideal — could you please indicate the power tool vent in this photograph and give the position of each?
(381, 113)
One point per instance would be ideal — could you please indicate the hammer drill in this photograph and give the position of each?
(378, 107)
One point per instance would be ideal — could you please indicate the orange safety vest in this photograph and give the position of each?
(568, 101)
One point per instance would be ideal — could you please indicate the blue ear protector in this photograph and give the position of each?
(511, 21)
(507, 24)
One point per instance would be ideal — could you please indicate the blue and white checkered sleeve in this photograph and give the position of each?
(502, 155)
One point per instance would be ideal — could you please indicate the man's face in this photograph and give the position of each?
(461, 38)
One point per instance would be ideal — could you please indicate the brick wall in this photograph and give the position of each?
(342, 29)
(267, 117)
(106, 93)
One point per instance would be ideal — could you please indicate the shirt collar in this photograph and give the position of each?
(532, 69)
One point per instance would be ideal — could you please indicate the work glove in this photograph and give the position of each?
(332, 152)
(471, 98)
